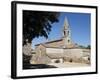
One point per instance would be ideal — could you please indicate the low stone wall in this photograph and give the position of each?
(67, 55)
(77, 55)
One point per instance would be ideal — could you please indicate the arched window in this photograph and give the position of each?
(64, 33)
(68, 32)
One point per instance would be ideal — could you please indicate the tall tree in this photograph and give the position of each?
(37, 23)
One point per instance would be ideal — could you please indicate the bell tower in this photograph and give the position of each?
(66, 33)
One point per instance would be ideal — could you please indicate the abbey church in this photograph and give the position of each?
(61, 50)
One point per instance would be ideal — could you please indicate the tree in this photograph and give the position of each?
(88, 47)
(37, 23)
(81, 46)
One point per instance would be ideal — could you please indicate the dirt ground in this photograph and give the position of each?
(68, 64)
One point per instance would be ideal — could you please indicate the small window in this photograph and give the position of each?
(64, 33)
(68, 32)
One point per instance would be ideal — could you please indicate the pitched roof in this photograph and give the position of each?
(47, 44)
(53, 46)
(54, 41)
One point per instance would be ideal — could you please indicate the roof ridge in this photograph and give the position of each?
(49, 41)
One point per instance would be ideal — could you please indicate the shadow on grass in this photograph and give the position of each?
(37, 66)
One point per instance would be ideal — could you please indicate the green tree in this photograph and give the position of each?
(81, 46)
(88, 47)
(37, 23)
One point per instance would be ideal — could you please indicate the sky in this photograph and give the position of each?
(79, 26)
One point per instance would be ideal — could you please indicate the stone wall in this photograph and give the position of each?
(47, 55)
(54, 50)
(74, 53)
(77, 55)
(40, 57)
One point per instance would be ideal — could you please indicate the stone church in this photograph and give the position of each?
(61, 50)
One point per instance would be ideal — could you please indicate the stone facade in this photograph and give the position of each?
(52, 55)
(61, 50)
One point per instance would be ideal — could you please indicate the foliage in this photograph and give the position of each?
(37, 23)
(81, 46)
(88, 47)
(84, 47)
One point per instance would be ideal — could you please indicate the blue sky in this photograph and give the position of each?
(79, 26)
